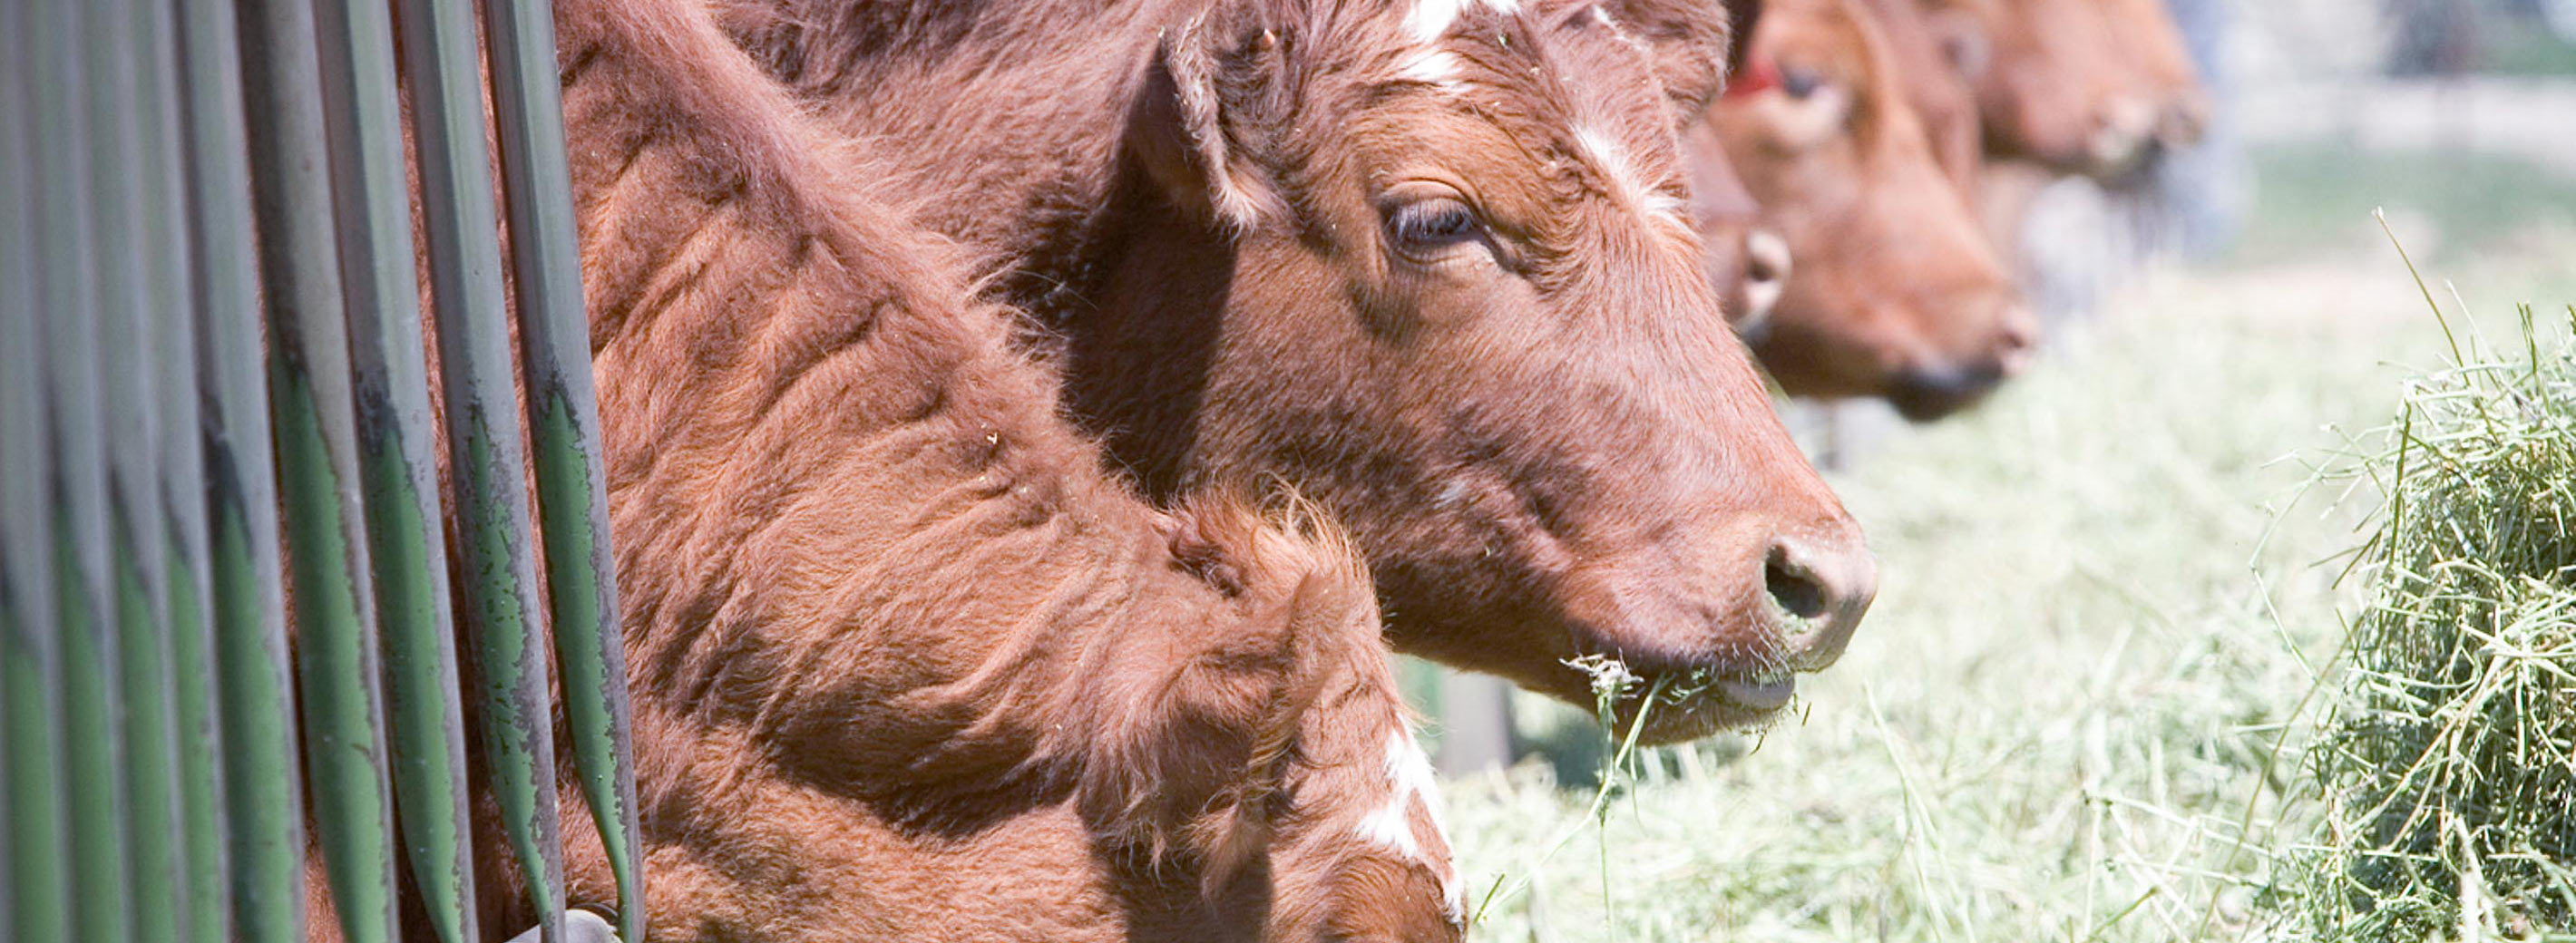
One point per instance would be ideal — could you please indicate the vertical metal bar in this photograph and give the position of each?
(263, 802)
(30, 653)
(137, 552)
(563, 418)
(486, 465)
(164, 252)
(312, 406)
(396, 448)
(85, 608)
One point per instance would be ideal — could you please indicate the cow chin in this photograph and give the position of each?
(1690, 670)
(1681, 705)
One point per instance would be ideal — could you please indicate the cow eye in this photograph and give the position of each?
(1424, 228)
(1800, 83)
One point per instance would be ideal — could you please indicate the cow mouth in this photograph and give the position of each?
(1766, 695)
(1927, 395)
(1669, 706)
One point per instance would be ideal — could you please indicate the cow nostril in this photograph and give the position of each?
(1821, 585)
(1766, 276)
(1790, 585)
(1766, 257)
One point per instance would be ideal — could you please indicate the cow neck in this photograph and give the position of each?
(816, 440)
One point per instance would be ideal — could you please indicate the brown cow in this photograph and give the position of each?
(1423, 259)
(1898, 294)
(907, 663)
(1940, 55)
(2060, 90)
(1750, 265)
(2153, 43)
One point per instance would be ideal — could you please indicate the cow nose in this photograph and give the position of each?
(1819, 589)
(2185, 121)
(2016, 334)
(1766, 277)
(2125, 126)
(1923, 394)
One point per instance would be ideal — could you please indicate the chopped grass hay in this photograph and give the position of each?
(2447, 765)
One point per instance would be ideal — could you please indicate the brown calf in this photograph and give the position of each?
(1425, 260)
(907, 664)
(1749, 265)
(2153, 42)
(2059, 90)
(1940, 55)
(1897, 294)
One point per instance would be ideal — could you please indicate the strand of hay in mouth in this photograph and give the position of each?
(2447, 765)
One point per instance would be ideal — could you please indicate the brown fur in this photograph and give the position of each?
(2153, 44)
(1897, 293)
(906, 662)
(2081, 86)
(1542, 433)
(1938, 55)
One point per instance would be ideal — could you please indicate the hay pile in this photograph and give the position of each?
(2447, 764)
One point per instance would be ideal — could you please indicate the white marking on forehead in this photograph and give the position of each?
(1605, 153)
(1431, 67)
(1431, 19)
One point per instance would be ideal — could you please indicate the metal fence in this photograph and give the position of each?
(214, 388)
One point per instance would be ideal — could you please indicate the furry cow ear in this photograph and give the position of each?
(1183, 130)
(1695, 43)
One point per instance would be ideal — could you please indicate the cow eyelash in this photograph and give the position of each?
(1428, 226)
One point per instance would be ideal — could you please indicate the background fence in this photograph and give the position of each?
(214, 388)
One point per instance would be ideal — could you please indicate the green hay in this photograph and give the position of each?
(2447, 763)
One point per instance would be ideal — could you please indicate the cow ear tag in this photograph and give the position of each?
(1760, 74)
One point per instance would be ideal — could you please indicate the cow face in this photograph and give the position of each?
(1939, 55)
(1429, 264)
(1365, 856)
(1897, 293)
(2058, 91)
(2153, 43)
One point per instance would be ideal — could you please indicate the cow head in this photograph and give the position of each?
(1939, 55)
(1271, 758)
(2164, 68)
(1428, 262)
(2058, 90)
(1897, 295)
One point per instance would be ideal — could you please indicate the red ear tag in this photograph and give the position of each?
(1759, 75)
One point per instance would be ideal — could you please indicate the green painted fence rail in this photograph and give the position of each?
(563, 417)
(32, 787)
(229, 647)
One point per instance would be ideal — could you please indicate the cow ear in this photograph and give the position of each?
(1191, 734)
(1695, 43)
(1184, 131)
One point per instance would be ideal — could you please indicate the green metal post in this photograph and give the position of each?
(263, 801)
(31, 696)
(487, 470)
(396, 454)
(563, 419)
(154, 898)
(86, 609)
(163, 249)
(313, 409)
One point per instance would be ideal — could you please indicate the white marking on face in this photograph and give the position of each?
(1612, 159)
(1431, 19)
(1410, 779)
(1436, 67)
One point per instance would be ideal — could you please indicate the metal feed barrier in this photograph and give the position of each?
(213, 387)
